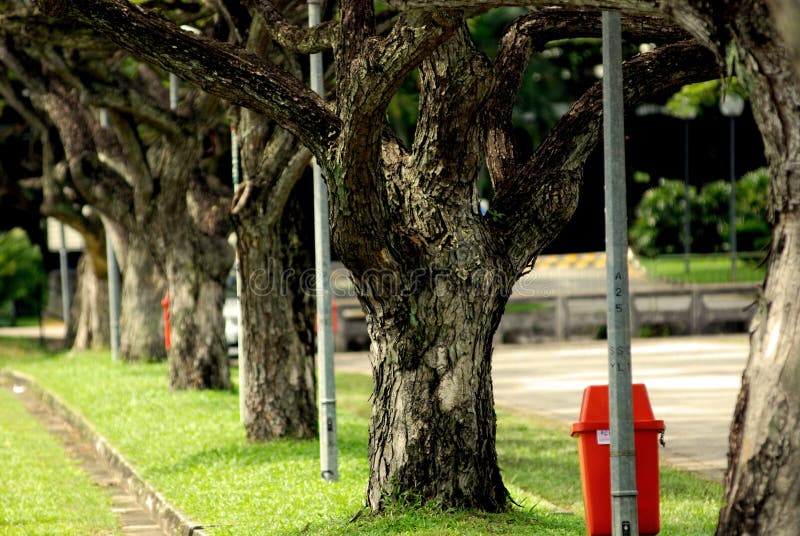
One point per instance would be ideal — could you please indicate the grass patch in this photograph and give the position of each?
(43, 490)
(703, 268)
(191, 447)
(526, 307)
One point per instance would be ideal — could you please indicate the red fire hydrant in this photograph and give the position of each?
(165, 305)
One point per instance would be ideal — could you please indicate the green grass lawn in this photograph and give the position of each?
(703, 268)
(42, 490)
(191, 447)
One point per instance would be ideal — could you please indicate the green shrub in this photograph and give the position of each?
(22, 277)
(752, 229)
(658, 226)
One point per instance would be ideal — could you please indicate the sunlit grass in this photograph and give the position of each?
(704, 268)
(191, 447)
(42, 490)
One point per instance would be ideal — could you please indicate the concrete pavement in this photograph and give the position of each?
(692, 383)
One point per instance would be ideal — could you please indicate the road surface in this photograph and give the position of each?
(692, 383)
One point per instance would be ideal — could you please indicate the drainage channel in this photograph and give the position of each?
(134, 519)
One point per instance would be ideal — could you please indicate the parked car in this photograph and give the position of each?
(231, 312)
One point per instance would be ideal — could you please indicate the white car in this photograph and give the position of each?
(231, 312)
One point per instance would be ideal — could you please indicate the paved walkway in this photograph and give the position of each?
(692, 383)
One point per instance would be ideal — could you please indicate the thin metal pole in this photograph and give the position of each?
(687, 215)
(624, 512)
(733, 196)
(174, 86)
(113, 276)
(113, 297)
(242, 354)
(325, 380)
(64, 266)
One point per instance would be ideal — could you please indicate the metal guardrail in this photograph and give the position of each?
(680, 309)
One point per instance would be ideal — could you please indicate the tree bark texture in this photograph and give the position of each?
(433, 289)
(762, 484)
(272, 215)
(141, 315)
(198, 355)
(432, 429)
(762, 488)
(277, 319)
(88, 326)
(191, 227)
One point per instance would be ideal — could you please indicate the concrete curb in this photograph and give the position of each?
(169, 518)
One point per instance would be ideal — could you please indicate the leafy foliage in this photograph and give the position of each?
(22, 276)
(658, 227)
(692, 99)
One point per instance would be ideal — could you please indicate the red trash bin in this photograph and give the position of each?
(595, 459)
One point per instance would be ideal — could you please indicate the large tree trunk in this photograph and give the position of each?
(88, 326)
(762, 484)
(272, 214)
(141, 315)
(189, 235)
(432, 431)
(198, 354)
(278, 321)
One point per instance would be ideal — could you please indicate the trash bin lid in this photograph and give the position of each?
(581, 427)
(594, 410)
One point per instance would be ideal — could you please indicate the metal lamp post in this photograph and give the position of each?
(624, 511)
(237, 267)
(687, 214)
(328, 443)
(732, 105)
(112, 274)
(66, 304)
(174, 81)
(687, 230)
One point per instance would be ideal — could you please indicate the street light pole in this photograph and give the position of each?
(326, 385)
(65, 294)
(242, 354)
(624, 508)
(174, 94)
(174, 81)
(732, 106)
(687, 214)
(112, 275)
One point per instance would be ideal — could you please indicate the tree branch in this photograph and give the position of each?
(454, 82)
(478, 6)
(357, 26)
(294, 38)
(528, 34)
(364, 90)
(133, 103)
(44, 30)
(541, 197)
(27, 113)
(96, 183)
(232, 74)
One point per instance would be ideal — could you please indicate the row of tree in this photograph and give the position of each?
(405, 211)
